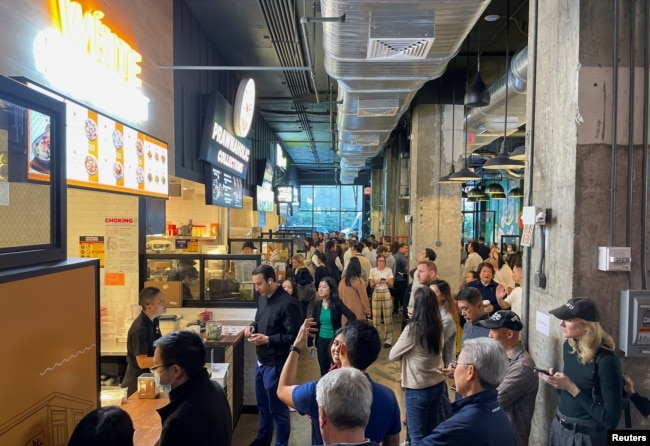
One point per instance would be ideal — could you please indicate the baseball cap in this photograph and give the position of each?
(248, 244)
(503, 319)
(188, 262)
(582, 307)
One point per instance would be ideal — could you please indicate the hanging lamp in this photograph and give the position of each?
(494, 189)
(503, 161)
(519, 153)
(452, 170)
(478, 94)
(516, 192)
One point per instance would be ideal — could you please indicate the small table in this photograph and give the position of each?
(146, 420)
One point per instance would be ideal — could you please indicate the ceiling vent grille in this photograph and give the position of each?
(365, 141)
(399, 48)
(369, 108)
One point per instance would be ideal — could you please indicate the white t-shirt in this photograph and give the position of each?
(377, 275)
(514, 299)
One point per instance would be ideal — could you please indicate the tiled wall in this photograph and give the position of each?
(86, 213)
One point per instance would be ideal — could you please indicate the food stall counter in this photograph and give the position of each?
(146, 420)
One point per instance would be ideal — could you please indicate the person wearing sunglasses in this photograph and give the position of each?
(481, 366)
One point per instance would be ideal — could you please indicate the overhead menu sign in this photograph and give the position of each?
(107, 155)
(220, 146)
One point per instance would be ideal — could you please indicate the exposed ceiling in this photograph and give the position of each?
(300, 105)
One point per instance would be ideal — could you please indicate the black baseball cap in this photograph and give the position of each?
(248, 244)
(503, 319)
(189, 262)
(582, 307)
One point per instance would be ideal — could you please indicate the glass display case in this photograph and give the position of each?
(204, 280)
(273, 251)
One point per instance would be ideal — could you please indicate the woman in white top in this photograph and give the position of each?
(420, 348)
(380, 281)
(450, 319)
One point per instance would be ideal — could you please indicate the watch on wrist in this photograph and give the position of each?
(293, 348)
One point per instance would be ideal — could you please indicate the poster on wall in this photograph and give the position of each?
(92, 247)
(39, 146)
(121, 247)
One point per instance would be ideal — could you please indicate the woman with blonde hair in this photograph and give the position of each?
(590, 384)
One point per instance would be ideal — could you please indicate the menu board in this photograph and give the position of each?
(223, 188)
(107, 155)
(39, 146)
(285, 194)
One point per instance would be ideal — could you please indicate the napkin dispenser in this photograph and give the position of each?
(147, 387)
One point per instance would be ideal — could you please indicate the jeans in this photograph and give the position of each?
(271, 409)
(423, 408)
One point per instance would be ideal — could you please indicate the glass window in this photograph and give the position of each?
(32, 188)
(329, 208)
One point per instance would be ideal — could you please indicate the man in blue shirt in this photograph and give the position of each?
(476, 418)
(355, 345)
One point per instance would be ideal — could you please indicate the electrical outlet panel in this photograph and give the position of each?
(611, 258)
(533, 215)
(634, 324)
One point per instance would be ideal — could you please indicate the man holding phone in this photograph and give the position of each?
(517, 391)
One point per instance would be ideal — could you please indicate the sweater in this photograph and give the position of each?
(418, 364)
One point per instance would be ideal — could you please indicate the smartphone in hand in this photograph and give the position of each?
(545, 372)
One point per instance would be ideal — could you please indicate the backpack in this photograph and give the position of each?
(597, 393)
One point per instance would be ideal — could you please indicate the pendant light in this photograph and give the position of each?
(516, 192)
(519, 153)
(465, 174)
(477, 95)
(503, 161)
(452, 170)
(494, 189)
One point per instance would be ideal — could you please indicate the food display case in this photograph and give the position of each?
(273, 251)
(204, 280)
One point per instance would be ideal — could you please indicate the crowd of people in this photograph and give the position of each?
(357, 288)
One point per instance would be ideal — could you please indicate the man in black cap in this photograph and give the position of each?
(518, 389)
(183, 266)
(248, 247)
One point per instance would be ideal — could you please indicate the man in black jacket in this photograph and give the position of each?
(276, 325)
(198, 412)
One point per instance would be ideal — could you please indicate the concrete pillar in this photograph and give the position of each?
(436, 208)
(394, 205)
(572, 128)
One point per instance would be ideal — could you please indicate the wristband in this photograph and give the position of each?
(293, 348)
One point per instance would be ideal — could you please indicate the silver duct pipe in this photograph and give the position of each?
(381, 56)
(487, 123)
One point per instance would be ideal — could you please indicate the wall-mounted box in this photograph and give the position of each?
(634, 324)
(612, 258)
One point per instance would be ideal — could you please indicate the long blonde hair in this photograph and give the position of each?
(301, 261)
(594, 338)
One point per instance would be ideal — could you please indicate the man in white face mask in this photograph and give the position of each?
(198, 412)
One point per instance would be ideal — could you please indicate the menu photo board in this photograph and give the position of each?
(39, 146)
(107, 155)
(222, 188)
(285, 194)
(264, 199)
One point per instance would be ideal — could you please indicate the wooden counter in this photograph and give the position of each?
(146, 420)
(229, 348)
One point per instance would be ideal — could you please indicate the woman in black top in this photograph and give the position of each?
(322, 270)
(590, 385)
(303, 279)
(327, 314)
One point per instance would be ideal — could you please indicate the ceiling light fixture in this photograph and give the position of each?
(477, 95)
(503, 161)
(494, 189)
(519, 153)
(517, 192)
(492, 17)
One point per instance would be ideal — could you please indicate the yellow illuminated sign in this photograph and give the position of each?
(82, 57)
(86, 30)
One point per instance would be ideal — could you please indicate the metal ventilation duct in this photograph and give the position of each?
(381, 56)
(488, 123)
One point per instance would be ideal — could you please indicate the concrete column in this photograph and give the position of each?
(436, 208)
(572, 171)
(394, 207)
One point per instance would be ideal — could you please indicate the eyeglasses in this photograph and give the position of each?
(454, 364)
(153, 369)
